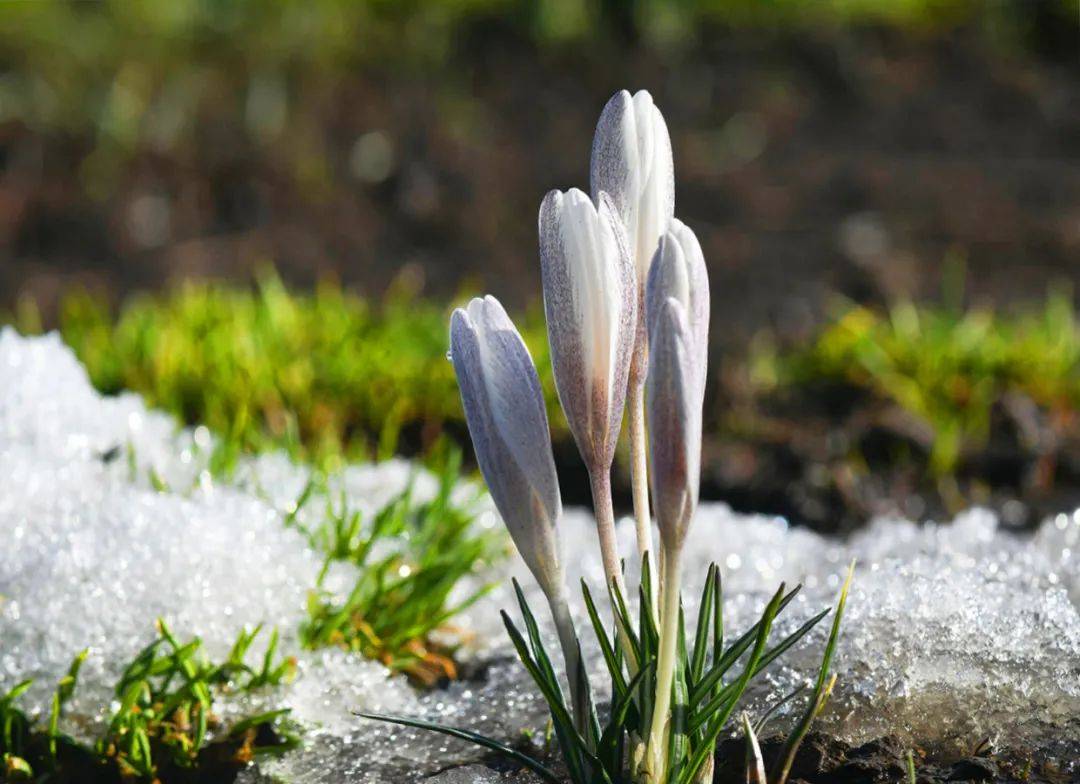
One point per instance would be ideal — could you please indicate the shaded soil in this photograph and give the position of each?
(824, 760)
(831, 457)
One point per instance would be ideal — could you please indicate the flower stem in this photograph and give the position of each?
(665, 667)
(639, 480)
(605, 529)
(609, 553)
(571, 648)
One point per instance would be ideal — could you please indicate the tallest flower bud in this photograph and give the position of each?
(631, 161)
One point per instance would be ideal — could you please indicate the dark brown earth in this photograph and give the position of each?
(832, 457)
(810, 162)
(825, 760)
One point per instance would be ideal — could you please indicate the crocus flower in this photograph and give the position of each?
(678, 271)
(631, 161)
(504, 409)
(673, 404)
(590, 301)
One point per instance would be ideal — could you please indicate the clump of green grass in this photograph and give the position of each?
(24, 745)
(409, 558)
(162, 725)
(945, 365)
(327, 376)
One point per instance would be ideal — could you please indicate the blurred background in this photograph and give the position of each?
(258, 213)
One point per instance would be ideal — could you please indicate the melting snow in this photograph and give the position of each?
(954, 632)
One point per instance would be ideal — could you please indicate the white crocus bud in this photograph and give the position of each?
(632, 161)
(590, 300)
(678, 271)
(673, 407)
(504, 409)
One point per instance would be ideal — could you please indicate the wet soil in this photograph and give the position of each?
(825, 760)
(831, 457)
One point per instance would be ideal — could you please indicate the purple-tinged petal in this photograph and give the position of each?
(590, 304)
(673, 410)
(678, 270)
(504, 409)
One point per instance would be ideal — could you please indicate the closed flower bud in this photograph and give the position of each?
(631, 161)
(673, 408)
(590, 300)
(678, 271)
(504, 408)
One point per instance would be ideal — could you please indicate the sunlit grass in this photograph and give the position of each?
(409, 558)
(327, 376)
(944, 365)
(161, 721)
(330, 377)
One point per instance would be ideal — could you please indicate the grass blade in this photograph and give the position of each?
(755, 765)
(718, 721)
(770, 656)
(608, 749)
(731, 654)
(701, 635)
(612, 660)
(472, 737)
(822, 689)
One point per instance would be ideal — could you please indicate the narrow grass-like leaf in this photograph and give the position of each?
(722, 693)
(571, 742)
(701, 634)
(592, 724)
(609, 748)
(16, 691)
(719, 720)
(259, 719)
(822, 688)
(678, 740)
(759, 725)
(618, 602)
(755, 765)
(732, 654)
(649, 634)
(614, 665)
(536, 643)
(718, 618)
(472, 737)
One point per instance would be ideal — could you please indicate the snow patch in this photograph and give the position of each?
(954, 632)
